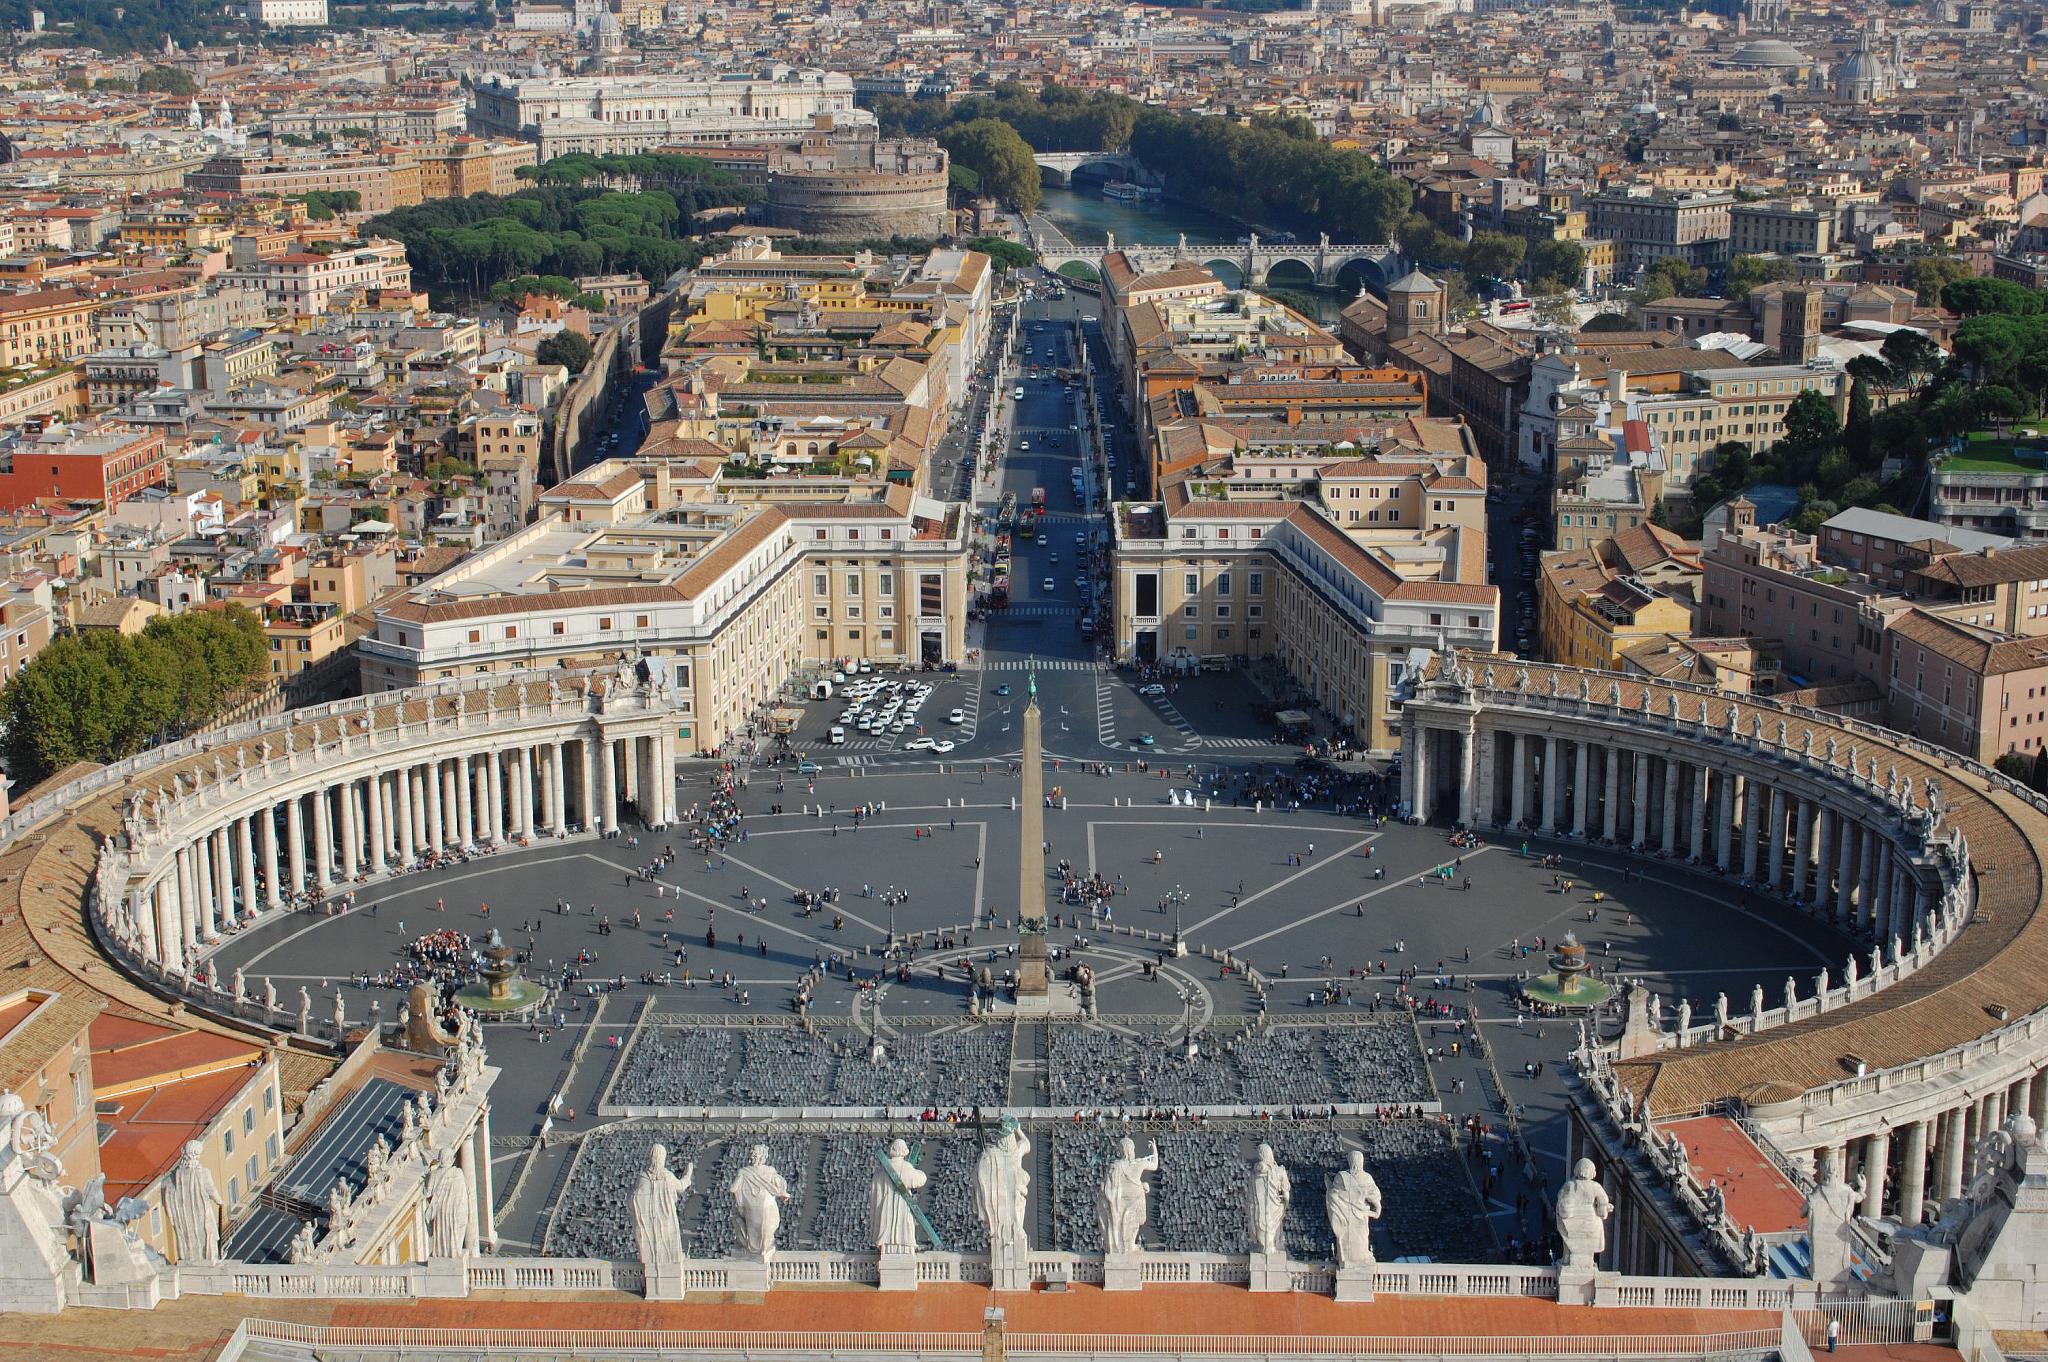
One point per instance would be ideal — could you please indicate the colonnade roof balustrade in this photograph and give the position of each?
(50, 849)
(1993, 971)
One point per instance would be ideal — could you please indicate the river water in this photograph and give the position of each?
(1088, 218)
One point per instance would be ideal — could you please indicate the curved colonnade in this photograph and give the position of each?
(1934, 1031)
(1936, 1027)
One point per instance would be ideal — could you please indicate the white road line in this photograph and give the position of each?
(1316, 863)
(1334, 908)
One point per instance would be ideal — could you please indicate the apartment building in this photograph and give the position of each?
(466, 165)
(1992, 491)
(106, 462)
(1596, 602)
(1202, 579)
(737, 600)
(384, 183)
(619, 113)
(44, 327)
(1779, 227)
(1651, 225)
(306, 284)
(288, 13)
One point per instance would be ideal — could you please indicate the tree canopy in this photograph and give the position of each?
(1006, 255)
(570, 349)
(101, 696)
(993, 150)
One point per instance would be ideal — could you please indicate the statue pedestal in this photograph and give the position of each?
(1354, 1283)
(1123, 1271)
(1009, 1273)
(449, 1278)
(1577, 1285)
(1270, 1272)
(898, 1273)
(747, 1274)
(664, 1282)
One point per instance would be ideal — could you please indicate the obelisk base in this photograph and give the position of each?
(1270, 1272)
(1033, 979)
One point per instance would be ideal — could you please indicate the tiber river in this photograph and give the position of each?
(1088, 218)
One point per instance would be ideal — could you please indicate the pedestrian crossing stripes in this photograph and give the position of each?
(1237, 742)
(1046, 664)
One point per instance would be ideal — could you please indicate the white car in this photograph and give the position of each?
(943, 746)
(1049, 586)
(1154, 689)
(958, 716)
(921, 745)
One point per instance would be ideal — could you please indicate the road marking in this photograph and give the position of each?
(1333, 908)
(1315, 863)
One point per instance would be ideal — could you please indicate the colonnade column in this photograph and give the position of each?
(1724, 835)
(1468, 778)
(1610, 763)
(1696, 847)
(1802, 845)
(1582, 790)
(273, 884)
(1866, 893)
(1670, 830)
(558, 787)
(522, 792)
(494, 797)
(1878, 915)
(202, 886)
(1949, 1156)
(1877, 1150)
(349, 844)
(1640, 814)
(586, 785)
(609, 779)
(430, 788)
(402, 815)
(1913, 1174)
(462, 772)
(1847, 834)
(176, 931)
(1553, 788)
(223, 879)
(1775, 830)
(1824, 861)
(1750, 818)
(452, 803)
(245, 864)
(380, 826)
(323, 846)
(1518, 782)
(146, 917)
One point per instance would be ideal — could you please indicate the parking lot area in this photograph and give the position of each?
(888, 710)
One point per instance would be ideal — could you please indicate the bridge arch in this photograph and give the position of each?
(1363, 271)
(1288, 271)
(1230, 272)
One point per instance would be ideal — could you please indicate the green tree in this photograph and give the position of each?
(1608, 322)
(1671, 277)
(994, 151)
(2038, 777)
(1494, 255)
(103, 696)
(1913, 357)
(570, 349)
(1745, 272)
(1728, 122)
(1006, 255)
(1856, 430)
(1557, 264)
(1933, 273)
(1811, 425)
(1974, 296)
(167, 80)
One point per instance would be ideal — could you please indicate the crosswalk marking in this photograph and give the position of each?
(1047, 664)
(1237, 742)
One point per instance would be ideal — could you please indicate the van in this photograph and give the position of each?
(837, 737)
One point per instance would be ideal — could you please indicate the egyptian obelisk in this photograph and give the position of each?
(1031, 976)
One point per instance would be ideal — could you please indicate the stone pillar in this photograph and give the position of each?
(522, 791)
(380, 825)
(1866, 891)
(486, 1199)
(1823, 861)
(1553, 787)
(462, 772)
(349, 844)
(2037, 1101)
(1670, 829)
(148, 914)
(1582, 789)
(1640, 813)
(223, 878)
(605, 752)
(1468, 778)
(1518, 760)
(273, 885)
(665, 768)
(1878, 915)
(245, 865)
(1424, 795)
(1949, 1176)
(1724, 835)
(1696, 846)
(430, 788)
(323, 839)
(1802, 849)
(1610, 782)
(1775, 830)
(558, 787)
(170, 931)
(452, 802)
(1913, 1174)
(494, 797)
(402, 815)
(1847, 835)
(1751, 843)
(1877, 1151)
(586, 786)
(202, 890)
